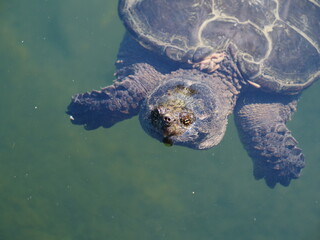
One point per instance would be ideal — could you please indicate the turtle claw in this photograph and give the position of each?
(210, 63)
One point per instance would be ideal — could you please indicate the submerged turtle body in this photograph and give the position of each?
(277, 42)
(186, 65)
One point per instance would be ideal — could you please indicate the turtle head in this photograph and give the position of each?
(181, 112)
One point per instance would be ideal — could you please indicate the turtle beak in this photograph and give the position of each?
(167, 141)
(166, 124)
(168, 130)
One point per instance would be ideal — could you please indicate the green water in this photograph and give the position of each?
(60, 182)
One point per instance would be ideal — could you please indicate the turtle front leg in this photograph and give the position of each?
(137, 74)
(261, 120)
(108, 106)
(211, 62)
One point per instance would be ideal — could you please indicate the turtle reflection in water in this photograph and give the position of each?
(185, 65)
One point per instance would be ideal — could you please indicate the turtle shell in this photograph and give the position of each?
(276, 44)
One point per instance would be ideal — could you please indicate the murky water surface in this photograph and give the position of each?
(58, 181)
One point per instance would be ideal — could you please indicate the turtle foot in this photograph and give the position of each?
(210, 63)
(261, 120)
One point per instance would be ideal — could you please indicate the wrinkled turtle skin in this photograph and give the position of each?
(185, 65)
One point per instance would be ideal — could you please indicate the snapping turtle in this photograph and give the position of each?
(185, 65)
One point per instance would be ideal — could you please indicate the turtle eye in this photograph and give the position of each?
(186, 119)
(154, 116)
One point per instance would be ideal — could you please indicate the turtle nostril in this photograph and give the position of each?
(167, 119)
